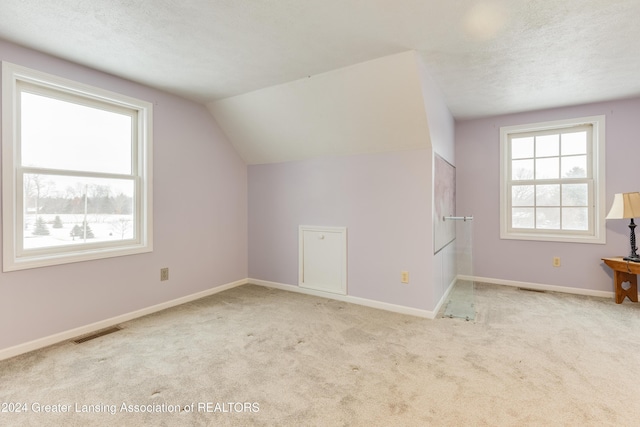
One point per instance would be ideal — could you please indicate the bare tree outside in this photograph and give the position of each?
(549, 205)
(120, 227)
(35, 188)
(100, 208)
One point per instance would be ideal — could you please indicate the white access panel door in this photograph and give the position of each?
(323, 259)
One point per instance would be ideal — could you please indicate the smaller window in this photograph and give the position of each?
(552, 181)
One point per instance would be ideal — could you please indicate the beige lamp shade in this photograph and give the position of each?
(625, 205)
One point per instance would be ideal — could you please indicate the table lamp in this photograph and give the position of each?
(627, 205)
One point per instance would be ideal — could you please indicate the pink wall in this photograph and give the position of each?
(385, 201)
(200, 223)
(478, 193)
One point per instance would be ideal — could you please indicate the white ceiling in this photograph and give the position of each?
(489, 57)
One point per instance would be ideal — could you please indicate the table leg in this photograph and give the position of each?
(632, 293)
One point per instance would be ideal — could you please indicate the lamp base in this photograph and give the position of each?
(633, 255)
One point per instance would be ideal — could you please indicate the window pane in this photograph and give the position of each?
(565, 184)
(548, 195)
(522, 195)
(574, 143)
(548, 218)
(574, 167)
(522, 148)
(547, 145)
(547, 168)
(62, 135)
(522, 218)
(575, 219)
(521, 169)
(575, 194)
(56, 207)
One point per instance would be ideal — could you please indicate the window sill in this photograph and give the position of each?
(36, 261)
(550, 237)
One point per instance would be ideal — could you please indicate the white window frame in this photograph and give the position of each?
(14, 256)
(596, 233)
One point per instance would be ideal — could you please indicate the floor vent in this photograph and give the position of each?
(532, 290)
(97, 334)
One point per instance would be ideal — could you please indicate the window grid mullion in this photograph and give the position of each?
(560, 181)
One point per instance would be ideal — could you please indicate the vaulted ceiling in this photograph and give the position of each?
(371, 107)
(487, 56)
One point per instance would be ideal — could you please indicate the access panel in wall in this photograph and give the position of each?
(323, 258)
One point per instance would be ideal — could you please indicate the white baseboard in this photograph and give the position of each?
(540, 286)
(347, 298)
(446, 295)
(87, 329)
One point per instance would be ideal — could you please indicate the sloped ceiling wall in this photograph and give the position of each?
(441, 122)
(375, 106)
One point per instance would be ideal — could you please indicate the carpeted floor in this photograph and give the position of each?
(264, 357)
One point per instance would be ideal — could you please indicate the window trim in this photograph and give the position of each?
(597, 195)
(13, 76)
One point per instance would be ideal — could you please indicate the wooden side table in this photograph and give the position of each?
(624, 271)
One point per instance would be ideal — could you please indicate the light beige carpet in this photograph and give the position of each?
(269, 357)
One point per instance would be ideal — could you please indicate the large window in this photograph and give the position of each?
(552, 178)
(76, 180)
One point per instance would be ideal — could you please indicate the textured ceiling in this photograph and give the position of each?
(488, 57)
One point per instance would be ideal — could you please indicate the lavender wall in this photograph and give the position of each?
(441, 132)
(200, 223)
(385, 201)
(478, 193)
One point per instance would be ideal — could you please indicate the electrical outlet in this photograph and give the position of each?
(164, 274)
(556, 261)
(404, 276)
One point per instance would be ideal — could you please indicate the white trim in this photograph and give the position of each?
(14, 255)
(338, 288)
(597, 150)
(347, 298)
(87, 329)
(446, 295)
(540, 286)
